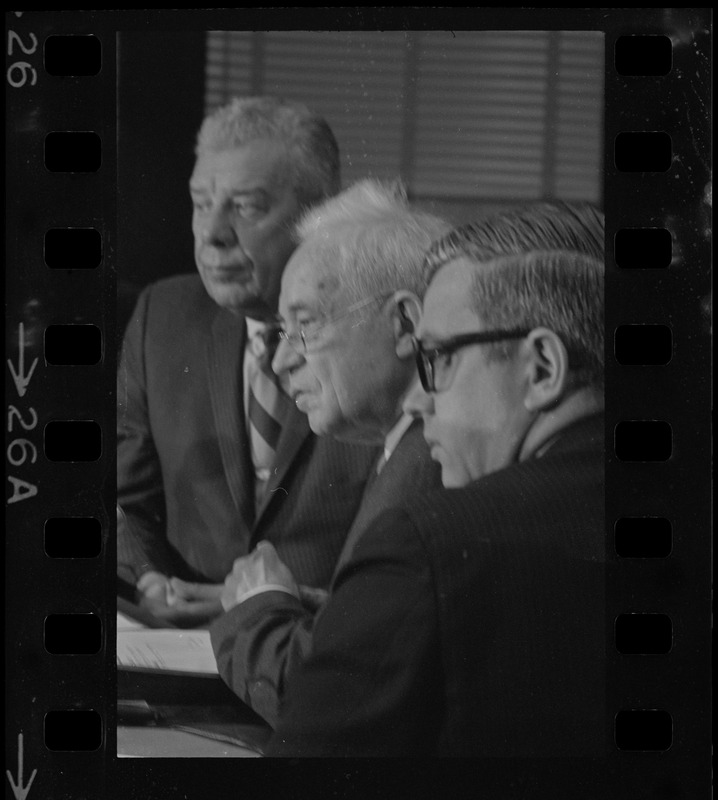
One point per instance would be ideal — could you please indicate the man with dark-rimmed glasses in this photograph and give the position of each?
(495, 595)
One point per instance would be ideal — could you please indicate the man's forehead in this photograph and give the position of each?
(307, 283)
(447, 302)
(255, 162)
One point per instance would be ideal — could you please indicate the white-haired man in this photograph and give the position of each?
(470, 622)
(337, 378)
(350, 299)
(212, 455)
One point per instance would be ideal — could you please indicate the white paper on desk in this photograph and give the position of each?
(166, 650)
(125, 623)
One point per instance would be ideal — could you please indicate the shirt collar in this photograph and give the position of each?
(254, 326)
(395, 434)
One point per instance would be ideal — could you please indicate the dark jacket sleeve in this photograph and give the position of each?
(141, 544)
(370, 684)
(258, 644)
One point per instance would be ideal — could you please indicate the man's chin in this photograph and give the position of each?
(449, 478)
(356, 434)
(323, 425)
(317, 422)
(238, 301)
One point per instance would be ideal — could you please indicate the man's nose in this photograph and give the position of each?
(418, 403)
(285, 358)
(218, 230)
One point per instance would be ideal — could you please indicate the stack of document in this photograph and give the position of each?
(169, 650)
(168, 678)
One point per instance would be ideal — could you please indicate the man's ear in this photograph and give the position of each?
(406, 312)
(546, 361)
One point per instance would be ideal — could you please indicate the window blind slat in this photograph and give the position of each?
(479, 124)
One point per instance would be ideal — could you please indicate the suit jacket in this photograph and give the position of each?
(469, 624)
(184, 473)
(260, 642)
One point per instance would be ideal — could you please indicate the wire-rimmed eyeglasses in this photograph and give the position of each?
(435, 364)
(300, 340)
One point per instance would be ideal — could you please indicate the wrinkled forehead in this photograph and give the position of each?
(447, 308)
(309, 283)
(254, 163)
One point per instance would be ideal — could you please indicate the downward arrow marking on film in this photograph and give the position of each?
(21, 380)
(18, 789)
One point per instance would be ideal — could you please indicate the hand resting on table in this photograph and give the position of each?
(177, 602)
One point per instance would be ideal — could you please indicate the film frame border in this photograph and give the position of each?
(42, 391)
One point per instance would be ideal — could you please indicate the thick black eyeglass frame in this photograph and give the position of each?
(425, 356)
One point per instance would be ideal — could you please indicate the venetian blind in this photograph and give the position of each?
(487, 115)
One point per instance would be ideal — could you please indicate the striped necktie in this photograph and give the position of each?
(267, 405)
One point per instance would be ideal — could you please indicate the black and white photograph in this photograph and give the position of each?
(284, 404)
(394, 327)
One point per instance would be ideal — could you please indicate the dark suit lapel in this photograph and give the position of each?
(295, 431)
(388, 489)
(224, 370)
(373, 494)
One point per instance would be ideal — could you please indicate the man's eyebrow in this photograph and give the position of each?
(299, 305)
(202, 188)
(248, 192)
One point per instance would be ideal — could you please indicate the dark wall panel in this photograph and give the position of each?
(160, 108)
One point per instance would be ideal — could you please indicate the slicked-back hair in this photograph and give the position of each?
(559, 290)
(577, 227)
(369, 241)
(312, 150)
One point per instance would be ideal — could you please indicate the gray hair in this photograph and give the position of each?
(312, 150)
(578, 227)
(559, 290)
(370, 241)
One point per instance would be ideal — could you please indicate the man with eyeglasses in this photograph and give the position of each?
(492, 589)
(349, 303)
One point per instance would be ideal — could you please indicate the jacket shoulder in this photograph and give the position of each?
(180, 291)
(411, 471)
(179, 304)
(534, 489)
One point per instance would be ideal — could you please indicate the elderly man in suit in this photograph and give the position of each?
(350, 301)
(212, 455)
(267, 634)
(470, 622)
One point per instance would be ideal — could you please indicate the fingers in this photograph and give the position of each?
(262, 550)
(184, 613)
(250, 563)
(153, 585)
(198, 612)
(312, 598)
(266, 559)
(312, 595)
(240, 564)
(184, 588)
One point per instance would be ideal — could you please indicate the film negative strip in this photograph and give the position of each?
(68, 240)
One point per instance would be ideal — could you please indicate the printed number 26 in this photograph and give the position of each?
(24, 67)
